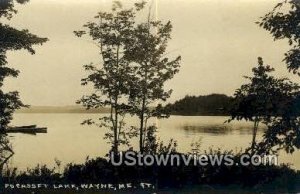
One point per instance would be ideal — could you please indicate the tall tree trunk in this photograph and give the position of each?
(116, 139)
(116, 142)
(142, 115)
(253, 144)
(142, 125)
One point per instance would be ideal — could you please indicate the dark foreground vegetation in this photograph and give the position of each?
(255, 179)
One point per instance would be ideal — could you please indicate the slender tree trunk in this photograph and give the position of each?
(116, 142)
(142, 115)
(253, 144)
(4, 162)
(7, 148)
(142, 125)
(116, 139)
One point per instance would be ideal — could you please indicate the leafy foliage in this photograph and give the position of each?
(111, 79)
(11, 39)
(284, 131)
(134, 71)
(266, 100)
(283, 23)
(152, 144)
(152, 69)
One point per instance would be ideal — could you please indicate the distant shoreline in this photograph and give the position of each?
(89, 112)
(84, 111)
(62, 109)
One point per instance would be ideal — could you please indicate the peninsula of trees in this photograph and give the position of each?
(207, 105)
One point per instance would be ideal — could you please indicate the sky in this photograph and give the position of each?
(218, 41)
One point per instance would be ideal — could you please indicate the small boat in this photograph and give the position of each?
(31, 129)
(26, 126)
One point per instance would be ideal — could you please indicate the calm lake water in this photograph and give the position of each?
(68, 141)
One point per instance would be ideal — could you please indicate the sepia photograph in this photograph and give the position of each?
(149, 96)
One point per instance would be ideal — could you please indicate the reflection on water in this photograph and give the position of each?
(223, 129)
(69, 141)
(213, 129)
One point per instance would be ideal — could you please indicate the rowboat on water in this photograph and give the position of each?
(32, 129)
(26, 126)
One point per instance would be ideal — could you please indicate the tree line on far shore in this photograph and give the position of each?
(204, 105)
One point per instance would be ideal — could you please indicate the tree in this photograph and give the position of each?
(147, 53)
(283, 23)
(263, 100)
(111, 81)
(283, 130)
(11, 39)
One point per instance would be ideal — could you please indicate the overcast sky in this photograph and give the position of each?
(218, 40)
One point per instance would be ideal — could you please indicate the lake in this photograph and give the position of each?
(68, 141)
